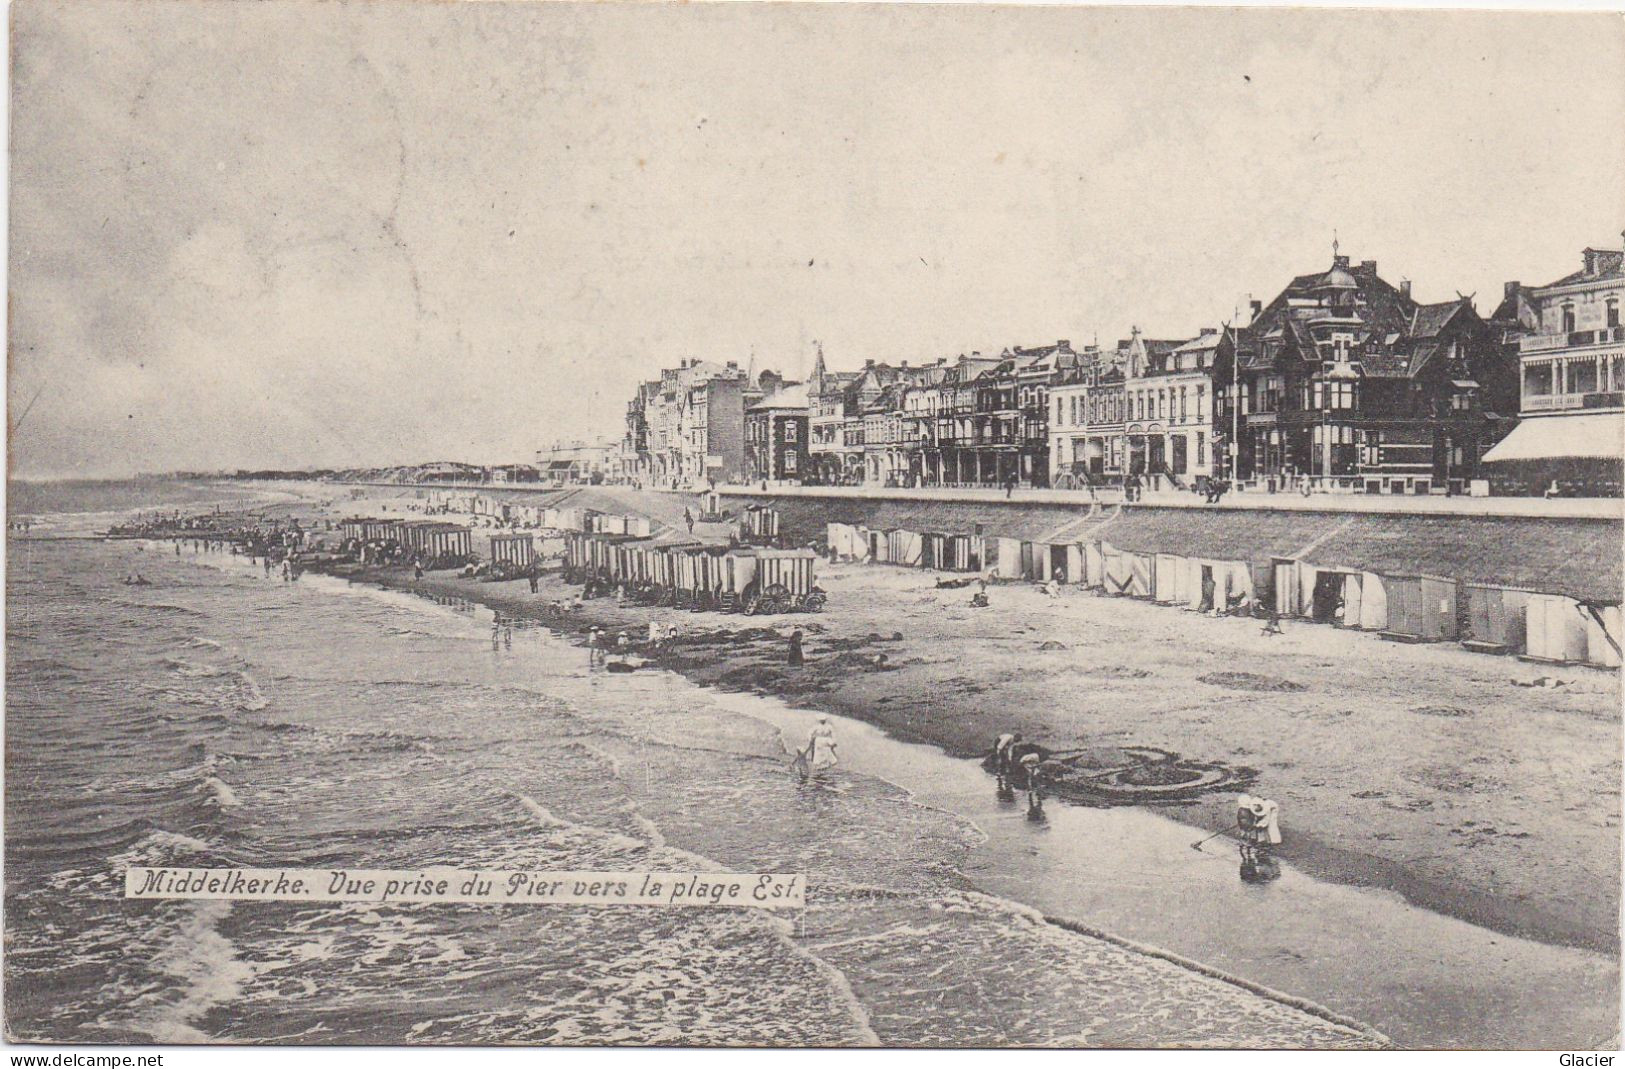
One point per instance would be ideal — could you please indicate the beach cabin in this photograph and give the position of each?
(353, 530)
(963, 553)
(737, 573)
(1494, 619)
(1094, 566)
(1006, 562)
(904, 547)
(1285, 573)
(759, 525)
(1603, 635)
(1420, 609)
(845, 541)
(793, 570)
(515, 551)
(1118, 571)
(1166, 569)
(1556, 630)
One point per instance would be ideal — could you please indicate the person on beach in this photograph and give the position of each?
(1035, 795)
(535, 580)
(654, 634)
(417, 569)
(622, 641)
(1001, 751)
(177, 549)
(671, 635)
(287, 572)
(820, 752)
(688, 518)
(1274, 626)
(795, 657)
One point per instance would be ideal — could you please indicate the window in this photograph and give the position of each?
(1183, 409)
(1201, 405)
(1613, 312)
(1201, 448)
(789, 430)
(1342, 396)
(1060, 411)
(1568, 319)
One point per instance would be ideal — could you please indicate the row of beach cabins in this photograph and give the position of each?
(1482, 616)
(688, 573)
(608, 552)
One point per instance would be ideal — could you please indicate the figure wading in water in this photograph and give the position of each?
(820, 752)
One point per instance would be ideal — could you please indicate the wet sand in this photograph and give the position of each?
(957, 675)
(1420, 770)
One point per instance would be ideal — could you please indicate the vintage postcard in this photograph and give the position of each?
(813, 525)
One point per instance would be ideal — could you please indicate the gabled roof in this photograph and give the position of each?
(1430, 319)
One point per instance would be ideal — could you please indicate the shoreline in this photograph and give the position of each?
(699, 657)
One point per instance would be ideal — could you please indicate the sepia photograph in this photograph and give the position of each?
(813, 525)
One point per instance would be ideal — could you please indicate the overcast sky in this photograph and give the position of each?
(321, 234)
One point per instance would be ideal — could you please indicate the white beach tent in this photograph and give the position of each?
(1603, 635)
(1165, 574)
(1094, 566)
(1555, 629)
(905, 547)
(1007, 562)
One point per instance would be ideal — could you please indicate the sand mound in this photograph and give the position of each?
(1250, 681)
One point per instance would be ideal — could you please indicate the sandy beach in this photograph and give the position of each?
(1422, 769)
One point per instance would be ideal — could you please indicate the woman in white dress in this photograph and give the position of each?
(821, 747)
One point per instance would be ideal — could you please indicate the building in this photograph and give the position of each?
(886, 446)
(1174, 447)
(688, 426)
(576, 462)
(1086, 428)
(937, 405)
(776, 433)
(1570, 351)
(831, 402)
(1345, 382)
(711, 430)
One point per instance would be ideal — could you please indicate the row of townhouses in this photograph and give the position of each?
(1344, 382)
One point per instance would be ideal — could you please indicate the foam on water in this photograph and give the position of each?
(400, 739)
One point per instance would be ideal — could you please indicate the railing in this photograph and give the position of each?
(1555, 402)
(1541, 343)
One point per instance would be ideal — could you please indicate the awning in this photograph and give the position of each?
(1597, 434)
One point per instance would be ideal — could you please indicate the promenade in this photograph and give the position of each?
(1433, 505)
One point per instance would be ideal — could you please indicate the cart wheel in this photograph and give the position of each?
(815, 603)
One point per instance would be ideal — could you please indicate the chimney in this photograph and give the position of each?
(868, 363)
(1257, 309)
(1591, 261)
(1340, 261)
(1509, 291)
(1368, 267)
(905, 364)
(734, 364)
(1064, 343)
(1405, 288)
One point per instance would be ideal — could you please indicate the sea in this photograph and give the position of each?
(220, 717)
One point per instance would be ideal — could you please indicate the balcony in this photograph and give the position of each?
(1545, 343)
(1560, 402)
